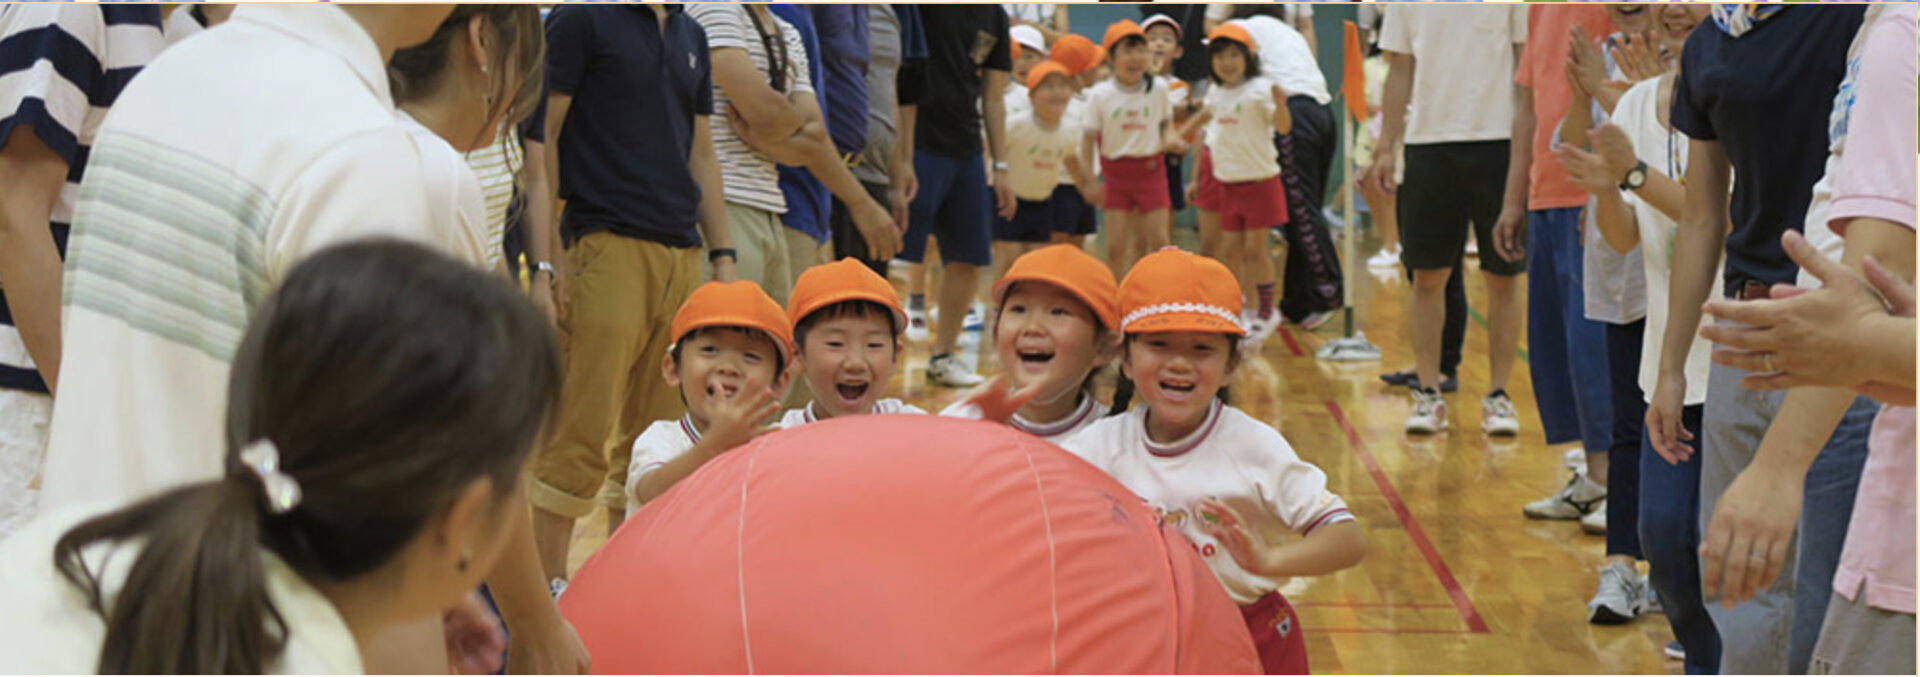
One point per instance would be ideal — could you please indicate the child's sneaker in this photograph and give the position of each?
(949, 371)
(1385, 258)
(1429, 412)
(1497, 416)
(917, 325)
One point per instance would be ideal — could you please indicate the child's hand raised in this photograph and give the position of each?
(736, 419)
(1225, 525)
(998, 402)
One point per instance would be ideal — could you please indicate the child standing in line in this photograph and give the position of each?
(1082, 60)
(1029, 50)
(1041, 144)
(1130, 124)
(731, 347)
(1056, 328)
(1242, 113)
(846, 325)
(1226, 480)
(1163, 42)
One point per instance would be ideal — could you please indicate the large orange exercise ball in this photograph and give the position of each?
(902, 544)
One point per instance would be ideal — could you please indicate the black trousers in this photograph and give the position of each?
(846, 238)
(1313, 281)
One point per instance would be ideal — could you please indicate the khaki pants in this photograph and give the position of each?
(761, 243)
(625, 292)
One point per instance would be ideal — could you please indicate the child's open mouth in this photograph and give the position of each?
(850, 393)
(1034, 360)
(1177, 389)
(723, 391)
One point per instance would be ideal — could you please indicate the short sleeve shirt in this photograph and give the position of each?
(626, 145)
(1240, 134)
(1128, 120)
(1766, 96)
(1462, 89)
(962, 42)
(749, 175)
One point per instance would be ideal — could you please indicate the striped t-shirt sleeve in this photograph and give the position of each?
(51, 73)
(726, 25)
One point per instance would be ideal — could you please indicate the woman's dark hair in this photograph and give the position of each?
(1246, 55)
(1123, 387)
(421, 70)
(390, 378)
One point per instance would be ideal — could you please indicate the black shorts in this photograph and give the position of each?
(1449, 187)
(1063, 212)
(1176, 183)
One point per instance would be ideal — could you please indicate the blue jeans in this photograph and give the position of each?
(1670, 540)
(1776, 630)
(1571, 393)
(1629, 417)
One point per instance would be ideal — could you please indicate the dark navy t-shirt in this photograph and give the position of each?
(962, 40)
(626, 145)
(1766, 96)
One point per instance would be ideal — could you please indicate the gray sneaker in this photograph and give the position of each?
(1572, 502)
(949, 371)
(1620, 597)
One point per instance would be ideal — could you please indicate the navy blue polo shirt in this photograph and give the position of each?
(626, 145)
(1766, 96)
(962, 40)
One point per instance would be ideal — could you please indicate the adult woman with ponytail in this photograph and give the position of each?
(374, 447)
(462, 93)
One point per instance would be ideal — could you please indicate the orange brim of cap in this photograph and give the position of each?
(1184, 320)
(830, 298)
(1109, 317)
(743, 322)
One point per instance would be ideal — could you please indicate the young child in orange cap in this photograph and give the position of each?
(846, 323)
(1058, 323)
(1130, 125)
(1043, 145)
(729, 358)
(1081, 59)
(1226, 480)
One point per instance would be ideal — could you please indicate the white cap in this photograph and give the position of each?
(1160, 19)
(1029, 38)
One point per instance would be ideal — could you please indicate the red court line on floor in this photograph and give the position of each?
(1459, 595)
(1291, 344)
(1371, 605)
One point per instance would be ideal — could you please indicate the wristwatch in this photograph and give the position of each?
(728, 252)
(1636, 177)
(545, 267)
(1000, 166)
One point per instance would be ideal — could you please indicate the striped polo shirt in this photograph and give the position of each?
(750, 177)
(61, 66)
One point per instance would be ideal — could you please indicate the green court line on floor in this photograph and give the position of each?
(1482, 321)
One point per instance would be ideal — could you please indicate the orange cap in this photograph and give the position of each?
(1232, 31)
(1172, 290)
(734, 304)
(844, 280)
(1120, 29)
(1067, 267)
(1077, 53)
(1038, 74)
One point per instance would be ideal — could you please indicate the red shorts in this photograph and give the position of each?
(1252, 205)
(1276, 635)
(1206, 192)
(1136, 184)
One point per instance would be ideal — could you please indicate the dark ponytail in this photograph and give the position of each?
(389, 378)
(1123, 386)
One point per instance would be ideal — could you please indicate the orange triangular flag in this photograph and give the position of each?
(1353, 86)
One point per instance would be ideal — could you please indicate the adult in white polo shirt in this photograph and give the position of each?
(1313, 288)
(201, 193)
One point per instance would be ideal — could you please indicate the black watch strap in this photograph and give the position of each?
(1635, 177)
(715, 254)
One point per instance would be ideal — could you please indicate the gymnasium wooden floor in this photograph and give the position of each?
(1456, 579)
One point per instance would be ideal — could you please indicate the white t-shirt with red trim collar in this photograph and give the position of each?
(1128, 118)
(795, 418)
(1083, 416)
(1232, 458)
(661, 443)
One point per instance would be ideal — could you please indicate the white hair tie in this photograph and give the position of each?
(282, 492)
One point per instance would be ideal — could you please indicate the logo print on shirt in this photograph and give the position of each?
(693, 62)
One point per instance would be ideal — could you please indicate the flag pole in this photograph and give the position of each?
(1352, 346)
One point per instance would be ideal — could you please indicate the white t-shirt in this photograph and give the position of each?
(1664, 151)
(798, 417)
(1017, 100)
(294, 147)
(1240, 135)
(48, 627)
(452, 188)
(1463, 74)
(661, 443)
(1218, 11)
(1038, 155)
(1077, 116)
(1232, 458)
(1083, 416)
(750, 177)
(1128, 120)
(1285, 58)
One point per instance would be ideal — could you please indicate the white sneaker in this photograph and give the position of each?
(1596, 522)
(949, 371)
(1575, 460)
(1497, 416)
(1571, 502)
(976, 319)
(1385, 258)
(1674, 651)
(1652, 606)
(917, 325)
(1619, 598)
(1429, 414)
